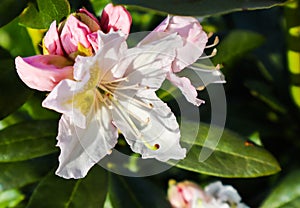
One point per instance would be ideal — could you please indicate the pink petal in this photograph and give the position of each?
(116, 18)
(73, 33)
(52, 42)
(187, 89)
(93, 39)
(44, 72)
(194, 38)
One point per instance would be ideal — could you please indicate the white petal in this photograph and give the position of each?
(148, 64)
(72, 99)
(83, 148)
(154, 133)
(187, 89)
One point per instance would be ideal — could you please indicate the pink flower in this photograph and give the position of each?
(187, 194)
(77, 35)
(194, 43)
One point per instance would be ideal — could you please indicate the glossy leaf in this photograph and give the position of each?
(13, 92)
(39, 15)
(18, 174)
(235, 44)
(89, 192)
(286, 194)
(10, 198)
(232, 157)
(134, 192)
(7, 14)
(200, 7)
(28, 140)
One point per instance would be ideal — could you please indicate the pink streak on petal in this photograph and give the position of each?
(93, 39)
(52, 42)
(73, 33)
(43, 72)
(116, 18)
(187, 89)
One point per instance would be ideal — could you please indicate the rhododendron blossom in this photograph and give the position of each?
(187, 194)
(77, 35)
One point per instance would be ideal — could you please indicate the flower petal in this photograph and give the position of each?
(44, 72)
(154, 133)
(89, 19)
(74, 33)
(187, 89)
(116, 18)
(51, 42)
(83, 148)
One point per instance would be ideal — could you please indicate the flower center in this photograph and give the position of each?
(111, 92)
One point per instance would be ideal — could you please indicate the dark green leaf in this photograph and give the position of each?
(89, 192)
(41, 14)
(232, 157)
(200, 7)
(264, 93)
(10, 9)
(13, 92)
(237, 43)
(286, 194)
(134, 192)
(28, 140)
(18, 174)
(99, 5)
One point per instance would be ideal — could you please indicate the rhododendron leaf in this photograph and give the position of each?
(54, 191)
(19, 174)
(200, 7)
(134, 192)
(41, 13)
(233, 156)
(7, 13)
(13, 92)
(230, 49)
(10, 198)
(27, 140)
(286, 193)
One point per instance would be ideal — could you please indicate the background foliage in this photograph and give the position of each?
(259, 51)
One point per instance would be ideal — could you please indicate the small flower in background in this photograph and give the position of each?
(77, 35)
(187, 194)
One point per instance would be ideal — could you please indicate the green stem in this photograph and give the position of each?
(292, 18)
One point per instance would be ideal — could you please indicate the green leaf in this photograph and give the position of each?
(286, 194)
(18, 174)
(232, 157)
(10, 198)
(134, 192)
(10, 9)
(89, 192)
(200, 7)
(41, 14)
(28, 140)
(264, 92)
(13, 92)
(236, 43)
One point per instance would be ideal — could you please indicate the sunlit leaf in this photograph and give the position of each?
(134, 192)
(235, 44)
(232, 157)
(28, 140)
(286, 194)
(40, 14)
(18, 174)
(10, 198)
(89, 192)
(200, 7)
(10, 9)
(13, 92)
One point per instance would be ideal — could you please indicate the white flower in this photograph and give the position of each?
(115, 90)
